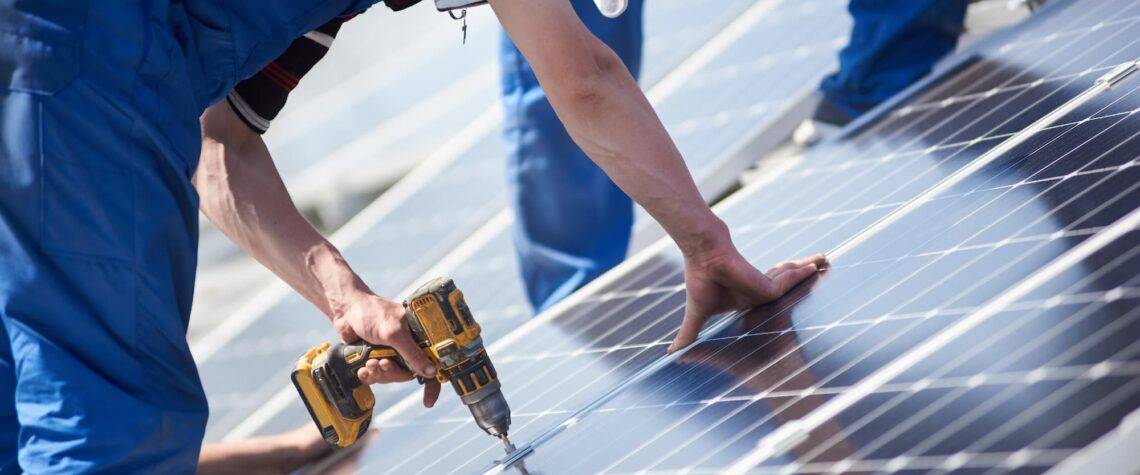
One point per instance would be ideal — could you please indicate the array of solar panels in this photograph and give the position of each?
(737, 102)
(980, 310)
(400, 237)
(331, 136)
(712, 94)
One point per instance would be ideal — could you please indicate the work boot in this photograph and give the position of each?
(824, 123)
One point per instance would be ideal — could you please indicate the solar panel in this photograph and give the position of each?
(771, 86)
(596, 395)
(331, 136)
(326, 142)
(701, 92)
(1034, 383)
(391, 243)
(912, 279)
(342, 130)
(889, 294)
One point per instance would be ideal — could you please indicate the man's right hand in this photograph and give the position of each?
(381, 321)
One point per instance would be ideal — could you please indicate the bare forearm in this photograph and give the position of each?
(608, 116)
(641, 158)
(243, 195)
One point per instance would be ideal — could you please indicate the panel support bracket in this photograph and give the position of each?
(1118, 73)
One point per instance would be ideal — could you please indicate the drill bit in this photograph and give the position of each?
(508, 447)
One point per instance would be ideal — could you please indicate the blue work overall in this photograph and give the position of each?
(572, 223)
(99, 136)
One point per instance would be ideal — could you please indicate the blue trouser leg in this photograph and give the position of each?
(571, 222)
(9, 425)
(99, 101)
(893, 44)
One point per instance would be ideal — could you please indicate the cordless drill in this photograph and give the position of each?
(442, 325)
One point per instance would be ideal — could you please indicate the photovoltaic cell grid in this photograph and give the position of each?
(763, 83)
(704, 412)
(322, 125)
(1031, 386)
(410, 236)
(496, 278)
(433, 61)
(897, 289)
(354, 142)
(738, 89)
(1021, 391)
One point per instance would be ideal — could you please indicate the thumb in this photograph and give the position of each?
(695, 318)
(346, 332)
(411, 352)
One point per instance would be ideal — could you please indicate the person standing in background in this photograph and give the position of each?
(572, 224)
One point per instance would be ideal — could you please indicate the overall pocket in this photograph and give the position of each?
(86, 188)
(88, 210)
(41, 44)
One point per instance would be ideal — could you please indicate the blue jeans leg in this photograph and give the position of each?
(571, 222)
(893, 44)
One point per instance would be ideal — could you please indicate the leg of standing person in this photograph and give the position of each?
(571, 222)
(893, 44)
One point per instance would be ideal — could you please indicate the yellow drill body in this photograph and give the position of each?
(442, 325)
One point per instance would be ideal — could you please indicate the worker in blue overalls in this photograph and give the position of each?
(573, 224)
(100, 141)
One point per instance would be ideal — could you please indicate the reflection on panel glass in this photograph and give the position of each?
(902, 286)
(399, 247)
(891, 292)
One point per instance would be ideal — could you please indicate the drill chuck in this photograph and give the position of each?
(491, 413)
(477, 384)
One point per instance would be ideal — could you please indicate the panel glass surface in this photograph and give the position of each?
(895, 290)
(572, 358)
(490, 270)
(399, 247)
(1027, 388)
(338, 110)
(736, 86)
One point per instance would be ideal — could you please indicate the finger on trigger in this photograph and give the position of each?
(375, 371)
(365, 375)
(394, 371)
(413, 355)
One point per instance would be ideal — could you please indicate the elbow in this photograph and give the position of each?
(222, 139)
(220, 124)
(597, 77)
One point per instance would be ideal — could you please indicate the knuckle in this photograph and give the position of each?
(343, 328)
